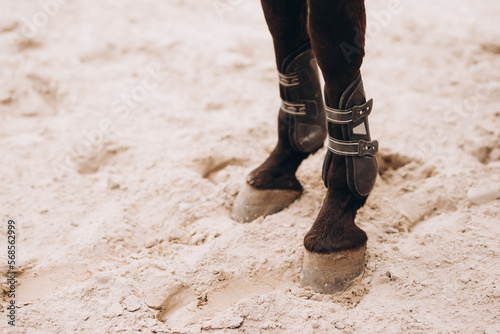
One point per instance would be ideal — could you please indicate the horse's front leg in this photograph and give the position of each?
(335, 246)
(301, 121)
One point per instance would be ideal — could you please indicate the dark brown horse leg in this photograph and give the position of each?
(335, 246)
(301, 122)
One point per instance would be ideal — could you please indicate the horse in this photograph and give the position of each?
(329, 34)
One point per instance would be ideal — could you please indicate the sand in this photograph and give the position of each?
(127, 129)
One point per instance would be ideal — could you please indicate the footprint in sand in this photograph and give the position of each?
(182, 306)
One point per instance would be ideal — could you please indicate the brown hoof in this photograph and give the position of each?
(252, 203)
(330, 273)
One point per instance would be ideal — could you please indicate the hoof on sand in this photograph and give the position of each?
(331, 273)
(252, 203)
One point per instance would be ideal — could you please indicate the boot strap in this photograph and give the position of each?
(352, 115)
(360, 148)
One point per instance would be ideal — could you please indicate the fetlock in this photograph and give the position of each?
(334, 228)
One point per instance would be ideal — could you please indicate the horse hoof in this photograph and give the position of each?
(330, 273)
(252, 203)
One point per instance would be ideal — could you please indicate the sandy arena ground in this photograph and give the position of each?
(127, 128)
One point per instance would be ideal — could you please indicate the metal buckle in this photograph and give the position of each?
(294, 108)
(367, 148)
(361, 111)
(289, 80)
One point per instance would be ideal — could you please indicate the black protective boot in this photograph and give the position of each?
(355, 142)
(302, 101)
(301, 130)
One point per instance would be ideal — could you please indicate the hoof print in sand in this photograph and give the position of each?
(177, 298)
(210, 165)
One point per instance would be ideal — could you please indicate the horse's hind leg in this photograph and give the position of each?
(301, 122)
(335, 246)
